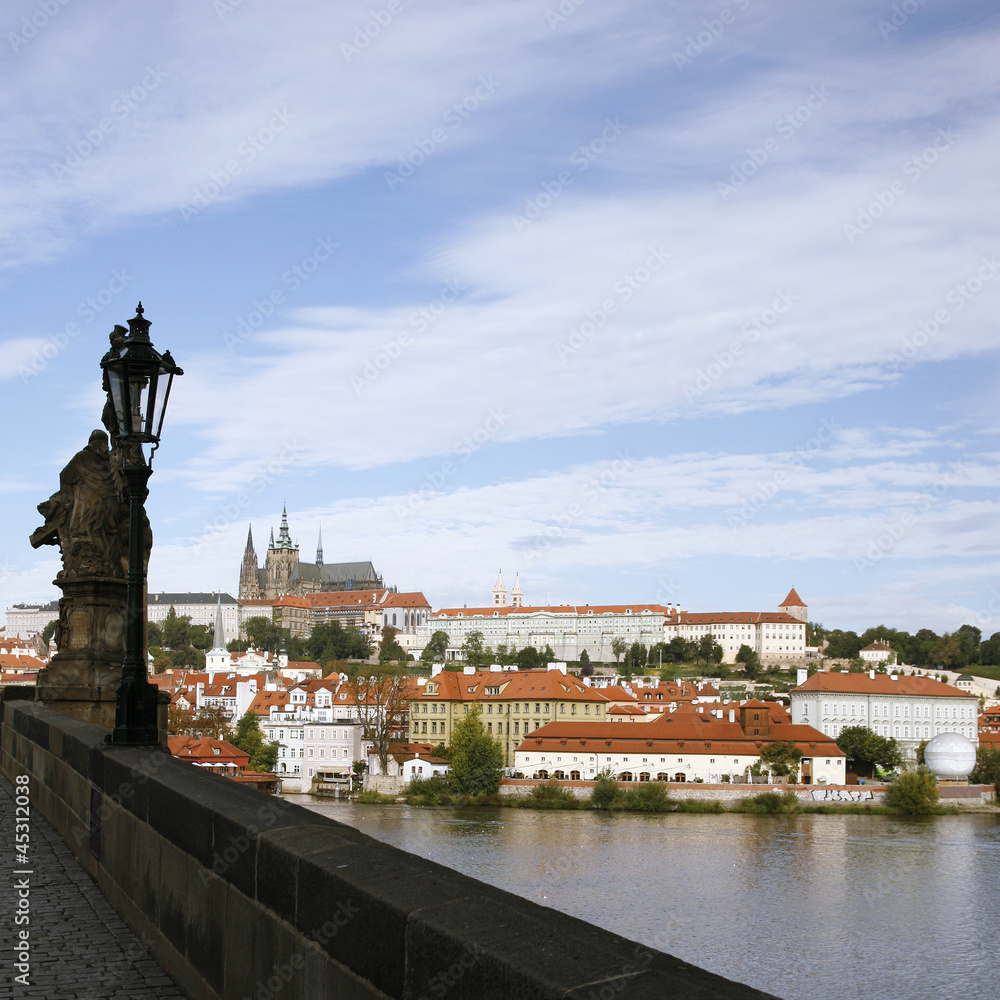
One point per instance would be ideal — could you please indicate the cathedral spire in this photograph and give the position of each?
(249, 575)
(284, 538)
(499, 592)
(319, 547)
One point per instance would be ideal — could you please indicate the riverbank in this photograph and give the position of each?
(656, 797)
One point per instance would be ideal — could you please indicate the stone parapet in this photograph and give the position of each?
(241, 895)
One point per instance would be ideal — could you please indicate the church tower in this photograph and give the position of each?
(218, 658)
(249, 575)
(282, 558)
(516, 596)
(319, 547)
(499, 592)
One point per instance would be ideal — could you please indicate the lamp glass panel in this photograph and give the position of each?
(137, 388)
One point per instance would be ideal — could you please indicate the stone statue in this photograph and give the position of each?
(88, 517)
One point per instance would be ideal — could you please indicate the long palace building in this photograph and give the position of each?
(571, 629)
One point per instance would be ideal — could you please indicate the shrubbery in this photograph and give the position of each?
(913, 792)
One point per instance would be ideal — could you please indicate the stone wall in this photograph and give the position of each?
(241, 895)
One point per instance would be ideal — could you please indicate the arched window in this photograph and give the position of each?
(680, 776)
(574, 775)
(543, 775)
(663, 776)
(625, 776)
(644, 776)
(559, 775)
(394, 618)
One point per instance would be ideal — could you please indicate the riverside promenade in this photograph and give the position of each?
(80, 948)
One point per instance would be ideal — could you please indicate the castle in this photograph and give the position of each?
(283, 574)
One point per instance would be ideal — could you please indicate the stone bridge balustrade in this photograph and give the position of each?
(241, 895)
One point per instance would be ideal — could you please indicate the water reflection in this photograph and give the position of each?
(806, 907)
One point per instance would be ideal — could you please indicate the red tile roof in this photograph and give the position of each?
(792, 600)
(839, 683)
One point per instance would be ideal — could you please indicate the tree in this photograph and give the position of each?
(528, 659)
(618, 646)
(161, 663)
(842, 645)
(783, 757)
(637, 655)
(476, 758)
(913, 792)
(436, 647)
(987, 769)
(866, 750)
(473, 649)
(249, 739)
(175, 630)
(815, 634)
(381, 706)
(330, 641)
(209, 721)
(389, 650)
(679, 650)
(154, 634)
(709, 650)
(586, 667)
(750, 660)
(262, 633)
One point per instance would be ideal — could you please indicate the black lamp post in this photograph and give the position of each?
(138, 380)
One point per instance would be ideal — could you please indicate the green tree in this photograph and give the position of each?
(987, 769)
(637, 656)
(866, 750)
(618, 647)
(49, 631)
(262, 633)
(843, 645)
(474, 650)
(750, 660)
(815, 634)
(154, 634)
(913, 792)
(436, 647)
(679, 650)
(175, 630)
(390, 651)
(476, 758)
(586, 667)
(249, 739)
(200, 637)
(989, 651)
(330, 641)
(783, 757)
(529, 659)
(161, 663)
(382, 705)
(709, 651)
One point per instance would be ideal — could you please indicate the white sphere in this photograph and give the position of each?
(950, 756)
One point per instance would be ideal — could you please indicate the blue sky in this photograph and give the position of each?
(647, 301)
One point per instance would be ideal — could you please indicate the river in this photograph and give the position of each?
(807, 907)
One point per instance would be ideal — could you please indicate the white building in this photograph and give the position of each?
(879, 653)
(22, 621)
(908, 709)
(199, 607)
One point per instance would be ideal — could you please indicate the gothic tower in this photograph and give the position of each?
(319, 547)
(516, 594)
(282, 558)
(249, 575)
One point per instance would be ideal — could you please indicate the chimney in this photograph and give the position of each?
(801, 675)
(871, 675)
(894, 677)
(732, 715)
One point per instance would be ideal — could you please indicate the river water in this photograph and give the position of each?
(805, 907)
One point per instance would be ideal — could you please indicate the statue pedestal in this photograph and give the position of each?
(82, 679)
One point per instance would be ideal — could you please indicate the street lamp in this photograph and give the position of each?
(138, 380)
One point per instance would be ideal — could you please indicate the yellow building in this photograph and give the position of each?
(512, 703)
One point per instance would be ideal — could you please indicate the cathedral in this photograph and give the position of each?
(283, 574)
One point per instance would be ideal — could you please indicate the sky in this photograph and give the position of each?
(642, 300)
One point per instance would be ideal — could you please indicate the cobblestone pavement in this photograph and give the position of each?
(80, 948)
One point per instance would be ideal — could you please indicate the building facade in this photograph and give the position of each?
(512, 703)
(199, 607)
(22, 621)
(908, 709)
